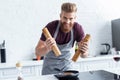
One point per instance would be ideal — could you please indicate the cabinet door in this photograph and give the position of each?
(38, 70)
(96, 65)
(0, 73)
(76, 66)
(9, 73)
(13, 72)
(28, 71)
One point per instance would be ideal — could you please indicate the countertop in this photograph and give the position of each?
(40, 62)
(46, 77)
(24, 63)
(52, 77)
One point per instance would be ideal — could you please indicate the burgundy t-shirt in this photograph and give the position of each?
(62, 37)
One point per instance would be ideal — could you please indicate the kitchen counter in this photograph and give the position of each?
(24, 63)
(32, 69)
(31, 63)
(81, 76)
(46, 77)
(113, 70)
(99, 57)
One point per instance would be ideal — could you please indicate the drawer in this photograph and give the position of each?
(28, 71)
(97, 65)
(13, 72)
(0, 73)
(9, 73)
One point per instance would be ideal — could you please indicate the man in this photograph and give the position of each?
(64, 32)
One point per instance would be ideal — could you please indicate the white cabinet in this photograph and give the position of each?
(97, 63)
(12, 72)
(33, 68)
(38, 70)
(0, 73)
(29, 68)
(9, 72)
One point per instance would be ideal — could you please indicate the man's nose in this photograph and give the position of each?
(67, 21)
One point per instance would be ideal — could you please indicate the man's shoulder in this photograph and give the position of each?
(78, 32)
(77, 26)
(52, 25)
(53, 22)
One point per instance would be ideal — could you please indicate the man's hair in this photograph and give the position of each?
(69, 7)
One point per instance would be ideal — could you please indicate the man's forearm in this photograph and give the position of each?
(42, 51)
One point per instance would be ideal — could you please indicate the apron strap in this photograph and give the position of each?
(57, 30)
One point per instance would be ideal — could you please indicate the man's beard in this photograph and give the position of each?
(66, 27)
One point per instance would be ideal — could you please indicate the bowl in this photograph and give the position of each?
(68, 75)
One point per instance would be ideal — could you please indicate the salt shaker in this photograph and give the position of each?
(19, 68)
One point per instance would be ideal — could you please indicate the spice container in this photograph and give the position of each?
(19, 69)
(54, 47)
(78, 52)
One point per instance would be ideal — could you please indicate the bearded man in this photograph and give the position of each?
(64, 33)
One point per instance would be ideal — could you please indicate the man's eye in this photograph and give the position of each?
(65, 18)
(71, 18)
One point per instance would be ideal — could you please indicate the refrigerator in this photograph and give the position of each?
(116, 34)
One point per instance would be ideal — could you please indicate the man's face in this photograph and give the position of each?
(67, 21)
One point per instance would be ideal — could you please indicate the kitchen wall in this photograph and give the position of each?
(21, 22)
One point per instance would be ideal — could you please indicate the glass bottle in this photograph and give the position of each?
(19, 69)
(76, 46)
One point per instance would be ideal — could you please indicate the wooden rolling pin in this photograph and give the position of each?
(54, 47)
(78, 52)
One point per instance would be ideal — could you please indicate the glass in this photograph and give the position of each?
(19, 69)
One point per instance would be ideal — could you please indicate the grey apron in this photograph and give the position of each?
(53, 64)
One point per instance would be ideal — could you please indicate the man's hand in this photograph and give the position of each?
(49, 43)
(83, 46)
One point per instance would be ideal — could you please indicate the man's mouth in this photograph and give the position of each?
(66, 25)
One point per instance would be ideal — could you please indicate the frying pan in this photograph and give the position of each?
(68, 75)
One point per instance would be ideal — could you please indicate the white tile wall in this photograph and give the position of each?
(21, 22)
